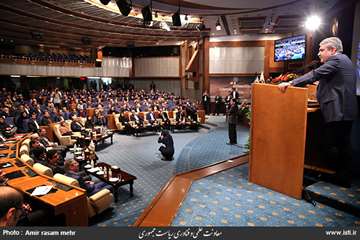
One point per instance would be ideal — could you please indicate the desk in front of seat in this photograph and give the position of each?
(72, 204)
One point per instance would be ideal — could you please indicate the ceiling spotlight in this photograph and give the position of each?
(147, 14)
(313, 23)
(176, 18)
(105, 2)
(124, 6)
(218, 25)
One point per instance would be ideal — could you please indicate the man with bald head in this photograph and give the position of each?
(11, 202)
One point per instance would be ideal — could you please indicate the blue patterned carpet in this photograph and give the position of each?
(338, 195)
(228, 199)
(140, 157)
(212, 147)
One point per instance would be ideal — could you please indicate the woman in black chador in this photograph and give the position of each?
(168, 150)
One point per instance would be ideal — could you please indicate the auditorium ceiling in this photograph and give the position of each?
(89, 23)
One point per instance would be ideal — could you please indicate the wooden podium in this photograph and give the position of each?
(278, 135)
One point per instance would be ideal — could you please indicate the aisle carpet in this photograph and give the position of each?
(228, 199)
(139, 156)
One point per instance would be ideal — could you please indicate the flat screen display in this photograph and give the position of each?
(290, 48)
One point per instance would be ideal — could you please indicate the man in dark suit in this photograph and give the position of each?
(165, 118)
(232, 120)
(206, 102)
(72, 170)
(234, 94)
(33, 125)
(336, 94)
(218, 102)
(150, 117)
(76, 126)
(168, 150)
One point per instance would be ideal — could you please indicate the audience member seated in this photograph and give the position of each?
(151, 121)
(11, 202)
(125, 121)
(54, 162)
(136, 123)
(33, 125)
(21, 122)
(5, 129)
(72, 170)
(76, 125)
(51, 145)
(89, 123)
(99, 119)
(37, 152)
(46, 120)
(165, 119)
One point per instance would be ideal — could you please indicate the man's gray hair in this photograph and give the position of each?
(333, 42)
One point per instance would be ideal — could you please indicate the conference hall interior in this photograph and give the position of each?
(167, 113)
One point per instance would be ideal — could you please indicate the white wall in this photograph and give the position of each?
(236, 59)
(157, 67)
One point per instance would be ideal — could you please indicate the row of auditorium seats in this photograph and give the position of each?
(46, 57)
(171, 114)
(97, 203)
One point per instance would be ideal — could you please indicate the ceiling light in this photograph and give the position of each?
(218, 25)
(105, 2)
(313, 23)
(147, 14)
(124, 6)
(176, 18)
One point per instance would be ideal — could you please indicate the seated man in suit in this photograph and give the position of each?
(53, 161)
(139, 122)
(89, 123)
(124, 120)
(37, 152)
(180, 118)
(33, 125)
(76, 125)
(72, 170)
(165, 118)
(44, 140)
(153, 124)
(46, 119)
(5, 129)
(168, 150)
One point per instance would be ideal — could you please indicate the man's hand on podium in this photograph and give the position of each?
(284, 85)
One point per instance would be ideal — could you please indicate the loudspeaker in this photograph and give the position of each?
(176, 19)
(105, 2)
(147, 14)
(124, 6)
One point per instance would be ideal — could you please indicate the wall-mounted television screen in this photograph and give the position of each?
(290, 48)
